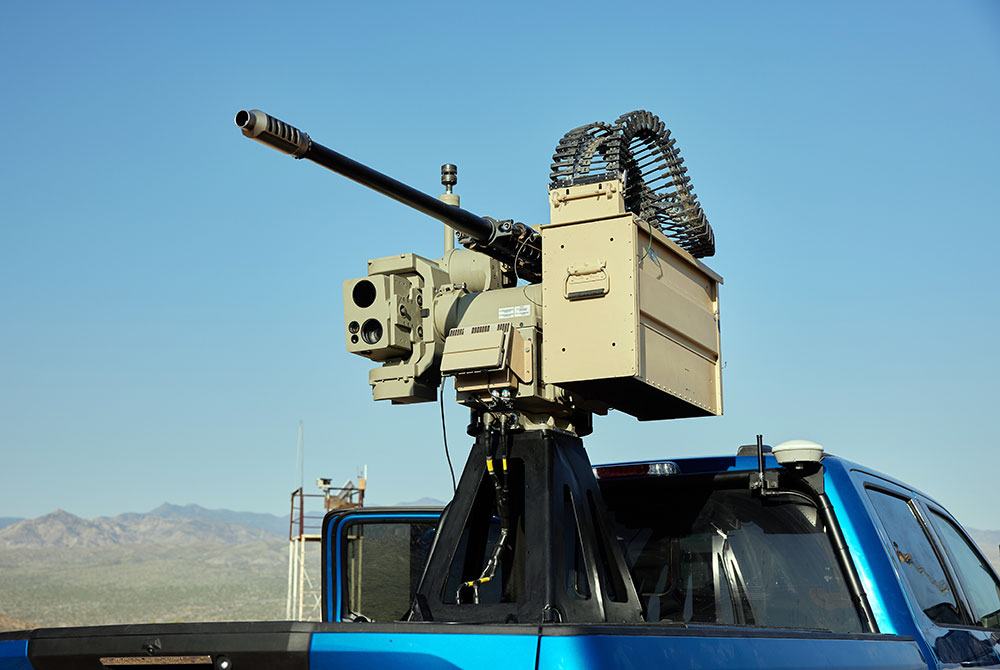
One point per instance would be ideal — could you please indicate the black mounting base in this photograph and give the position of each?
(560, 561)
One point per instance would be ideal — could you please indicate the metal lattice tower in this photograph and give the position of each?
(305, 528)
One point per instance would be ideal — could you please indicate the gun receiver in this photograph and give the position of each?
(515, 244)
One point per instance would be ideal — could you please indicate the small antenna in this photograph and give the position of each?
(760, 456)
(302, 480)
(449, 177)
(763, 482)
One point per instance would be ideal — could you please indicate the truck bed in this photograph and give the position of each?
(322, 646)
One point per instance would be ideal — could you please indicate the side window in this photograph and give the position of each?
(384, 561)
(980, 585)
(917, 560)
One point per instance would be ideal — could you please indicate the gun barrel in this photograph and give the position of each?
(288, 139)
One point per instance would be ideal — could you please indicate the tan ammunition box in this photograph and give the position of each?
(630, 318)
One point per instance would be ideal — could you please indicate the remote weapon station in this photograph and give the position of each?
(541, 326)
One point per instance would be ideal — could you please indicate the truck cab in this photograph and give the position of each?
(706, 550)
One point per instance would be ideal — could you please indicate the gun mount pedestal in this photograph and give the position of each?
(559, 562)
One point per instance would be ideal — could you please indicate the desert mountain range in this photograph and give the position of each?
(190, 524)
(167, 524)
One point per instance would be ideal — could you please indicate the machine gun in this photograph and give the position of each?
(605, 307)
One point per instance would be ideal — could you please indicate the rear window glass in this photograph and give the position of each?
(704, 555)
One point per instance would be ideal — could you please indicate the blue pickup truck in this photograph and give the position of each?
(735, 566)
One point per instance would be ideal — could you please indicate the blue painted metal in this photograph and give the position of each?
(415, 651)
(14, 655)
(709, 465)
(892, 613)
(866, 471)
(681, 651)
(333, 558)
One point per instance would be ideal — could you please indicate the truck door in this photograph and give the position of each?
(373, 559)
(953, 594)
(976, 583)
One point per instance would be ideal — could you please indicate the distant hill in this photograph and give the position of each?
(272, 523)
(167, 524)
(9, 521)
(174, 563)
(423, 502)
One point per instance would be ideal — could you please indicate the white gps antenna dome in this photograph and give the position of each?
(798, 453)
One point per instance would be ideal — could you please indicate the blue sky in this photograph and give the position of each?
(170, 292)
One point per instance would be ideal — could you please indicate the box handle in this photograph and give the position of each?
(586, 281)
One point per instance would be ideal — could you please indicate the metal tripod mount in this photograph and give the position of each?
(605, 307)
(546, 553)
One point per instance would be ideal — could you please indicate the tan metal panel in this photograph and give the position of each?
(677, 370)
(677, 297)
(600, 200)
(681, 319)
(475, 348)
(679, 344)
(592, 337)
